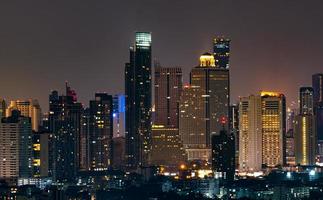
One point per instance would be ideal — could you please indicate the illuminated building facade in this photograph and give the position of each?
(166, 141)
(138, 93)
(214, 84)
(119, 117)
(262, 130)
(305, 134)
(29, 108)
(192, 129)
(221, 51)
(223, 155)
(165, 132)
(317, 84)
(40, 146)
(16, 147)
(64, 122)
(100, 132)
(168, 88)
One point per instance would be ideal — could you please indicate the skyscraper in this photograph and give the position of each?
(29, 108)
(65, 124)
(223, 155)
(100, 132)
(192, 129)
(16, 147)
(214, 87)
(305, 134)
(317, 84)
(165, 133)
(290, 136)
(168, 89)
(262, 130)
(138, 102)
(221, 51)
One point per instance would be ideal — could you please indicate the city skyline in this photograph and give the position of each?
(40, 53)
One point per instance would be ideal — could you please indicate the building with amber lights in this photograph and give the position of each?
(305, 134)
(16, 147)
(192, 127)
(213, 97)
(262, 130)
(29, 108)
(165, 132)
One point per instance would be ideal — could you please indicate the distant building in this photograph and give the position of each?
(100, 132)
(29, 108)
(119, 116)
(223, 155)
(165, 133)
(16, 148)
(64, 122)
(305, 134)
(138, 92)
(210, 103)
(262, 131)
(192, 129)
(119, 152)
(166, 141)
(221, 51)
(290, 139)
(317, 84)
(234, 128)
(40, 154)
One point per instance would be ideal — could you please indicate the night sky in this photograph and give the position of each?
(276, 45)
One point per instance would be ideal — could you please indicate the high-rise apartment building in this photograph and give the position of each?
(100, 132)
(138, 91)
(262, 130)
(16, 147)
(29, 108)
(65, 124)
(290, 136)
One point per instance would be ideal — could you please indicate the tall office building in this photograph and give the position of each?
(223, 155)
(29, 108)
(262, 130)
(221, 51)
(305, 134)
(192, 129)
(40, 154)
(165, 133)
(100, 132)
(214, 85)
(65, 124)
(168, 89)
(16, 147)
(317, 84)
(3, 107)
(138, 93)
